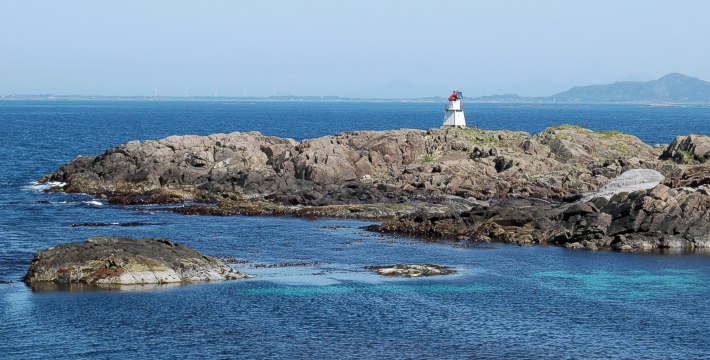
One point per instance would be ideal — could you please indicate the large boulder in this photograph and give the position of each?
(106, 261)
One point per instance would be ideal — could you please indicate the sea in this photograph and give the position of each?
(312, 296)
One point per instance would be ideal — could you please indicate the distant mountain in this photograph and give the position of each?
(670, 88)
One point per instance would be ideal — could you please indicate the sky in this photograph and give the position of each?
(362, 48)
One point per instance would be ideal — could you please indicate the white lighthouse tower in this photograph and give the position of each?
(454, 111)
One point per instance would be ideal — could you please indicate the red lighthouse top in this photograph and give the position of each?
(455, 95)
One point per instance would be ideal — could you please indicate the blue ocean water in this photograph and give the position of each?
(503, 302)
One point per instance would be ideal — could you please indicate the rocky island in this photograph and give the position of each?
(566, 185)
(411, 270)
(111, 261)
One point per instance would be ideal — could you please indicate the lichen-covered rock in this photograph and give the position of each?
(106, 261)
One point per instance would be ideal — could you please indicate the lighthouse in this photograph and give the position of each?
(454, 112)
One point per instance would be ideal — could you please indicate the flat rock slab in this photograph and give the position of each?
(628, 182)
(411, 270)
(124, 261)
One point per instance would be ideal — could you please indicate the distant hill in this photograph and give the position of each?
(669, 88)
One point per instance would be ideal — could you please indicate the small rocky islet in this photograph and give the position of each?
(117, 261)
(566, 185)
(411, 270)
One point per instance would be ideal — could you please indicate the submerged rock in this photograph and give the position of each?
(411, 270)
(106, 261)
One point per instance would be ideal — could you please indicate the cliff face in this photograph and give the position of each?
(440, 182)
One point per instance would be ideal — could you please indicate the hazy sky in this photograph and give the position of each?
(346, 48)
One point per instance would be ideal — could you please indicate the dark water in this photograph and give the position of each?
(504, 301)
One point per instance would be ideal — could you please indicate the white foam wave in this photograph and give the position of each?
(35, 186)
(92, 203)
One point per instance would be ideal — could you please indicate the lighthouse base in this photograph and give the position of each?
(454, 118)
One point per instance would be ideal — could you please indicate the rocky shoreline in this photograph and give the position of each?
(566, 185)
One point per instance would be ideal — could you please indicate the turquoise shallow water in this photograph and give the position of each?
(628, 285)
(503, 302)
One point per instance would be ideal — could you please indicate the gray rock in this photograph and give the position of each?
(629, 181)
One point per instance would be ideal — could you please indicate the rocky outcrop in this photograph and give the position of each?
(217, 162)
(656, 218)
(556, 163)
(411, 270)
(551, 187)
(107, 261)
(688, 149)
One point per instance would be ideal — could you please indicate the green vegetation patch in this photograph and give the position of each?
(683, 157)
(492, 138)
(612, 133)
(429, 158)
(565, 127)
